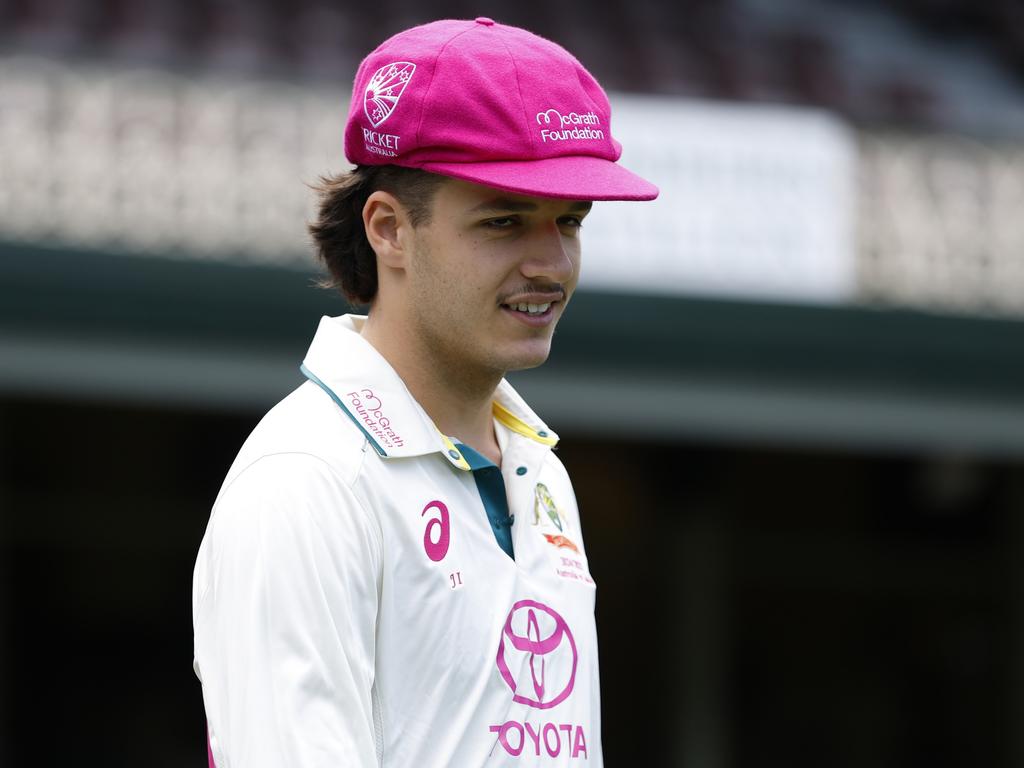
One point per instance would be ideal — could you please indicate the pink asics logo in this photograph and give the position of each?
(437, 535)
(537, 655)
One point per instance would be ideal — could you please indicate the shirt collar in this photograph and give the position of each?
(374, 397)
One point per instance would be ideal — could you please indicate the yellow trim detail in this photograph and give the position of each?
(513, 422)
(449, 445)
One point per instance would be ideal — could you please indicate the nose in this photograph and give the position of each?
(551, 254)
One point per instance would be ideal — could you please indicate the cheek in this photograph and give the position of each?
(459, 276)
(574, 253)
(445, 283)
(474, 271)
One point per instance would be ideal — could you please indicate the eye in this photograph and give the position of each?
(573, 222)
(502, 222)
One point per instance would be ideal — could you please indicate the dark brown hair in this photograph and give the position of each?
(338, 232)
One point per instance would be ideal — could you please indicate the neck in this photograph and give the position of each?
(456, 396)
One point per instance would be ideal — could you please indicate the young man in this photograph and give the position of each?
(394, 572)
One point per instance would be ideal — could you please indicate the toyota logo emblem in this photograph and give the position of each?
(537, 655)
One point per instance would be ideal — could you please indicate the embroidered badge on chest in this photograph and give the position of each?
(562, 542)
(545, 510)
(546, 514)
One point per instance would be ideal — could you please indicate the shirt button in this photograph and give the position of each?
(543, 434)
(485, 21)
(454, 454)
(520, 471)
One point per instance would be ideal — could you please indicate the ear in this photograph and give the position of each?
(387, 228)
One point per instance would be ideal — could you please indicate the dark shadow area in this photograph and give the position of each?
(759, 607)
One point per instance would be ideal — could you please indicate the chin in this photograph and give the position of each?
(524, 358)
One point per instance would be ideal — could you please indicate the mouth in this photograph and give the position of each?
(529, 308)
(533, 315)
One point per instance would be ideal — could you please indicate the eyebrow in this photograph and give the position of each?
(508, 205)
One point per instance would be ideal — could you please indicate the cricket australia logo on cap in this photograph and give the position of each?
(385, 89)
(379, 100)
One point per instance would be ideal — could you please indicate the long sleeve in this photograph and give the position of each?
(285, 598)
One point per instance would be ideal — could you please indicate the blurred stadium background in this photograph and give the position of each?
(791, 391)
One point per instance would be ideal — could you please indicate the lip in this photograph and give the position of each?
(533, 321)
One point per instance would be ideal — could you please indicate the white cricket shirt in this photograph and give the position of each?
(353, 604)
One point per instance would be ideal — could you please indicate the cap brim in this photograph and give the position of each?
(568, 178)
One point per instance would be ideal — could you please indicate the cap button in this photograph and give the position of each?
(485, 21)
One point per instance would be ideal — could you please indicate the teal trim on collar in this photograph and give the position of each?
(475, 460)
(312, 377)
(491, 487)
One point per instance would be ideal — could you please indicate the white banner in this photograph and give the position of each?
(755, 202)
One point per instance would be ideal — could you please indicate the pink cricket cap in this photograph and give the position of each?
(491, 104)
